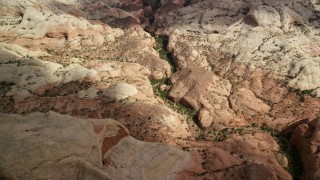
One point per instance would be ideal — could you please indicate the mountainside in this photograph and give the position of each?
(159, 89)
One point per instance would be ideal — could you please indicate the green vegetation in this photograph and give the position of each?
(294, 162)
(301, 93)
(161, 44)
(295, 166)
(185, 111)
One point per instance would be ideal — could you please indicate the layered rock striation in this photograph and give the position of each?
(88, 90)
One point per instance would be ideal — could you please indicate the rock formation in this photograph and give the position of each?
(53, 146)
(149, 89)
(306, 138)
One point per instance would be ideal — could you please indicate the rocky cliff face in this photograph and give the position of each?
(160, 89)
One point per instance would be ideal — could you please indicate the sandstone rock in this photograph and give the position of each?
(38, 26)
(10, 52)
(293, 109)
(246, 103)
(250, 171)
(119, 91)
(236, 63)
(252, 149)
(306, 75)
(220, 159)
(307, 140)
(205, 119)
(79, 97)
(32, 75)
(162, 161)
(90, 93)
(239, 153)
(205, 92)
(37, 76)
(152, 122)
(131, 73)
(75, 72)
(316, 92)
(56, 146)
(258, 38)
(263, 16)
(37, 30)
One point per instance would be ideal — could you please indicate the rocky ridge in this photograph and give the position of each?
(248, 70)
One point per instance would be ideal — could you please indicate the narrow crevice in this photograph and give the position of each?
(162, 48)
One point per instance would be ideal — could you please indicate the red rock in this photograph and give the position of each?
(245, 102)
(306, 137)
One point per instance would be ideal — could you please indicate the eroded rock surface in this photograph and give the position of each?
(248, 70)
(205, 92)
(267, 48)
(152, 122)
(306, 138)
(56, 146)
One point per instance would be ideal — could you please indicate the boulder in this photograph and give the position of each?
(119, 91)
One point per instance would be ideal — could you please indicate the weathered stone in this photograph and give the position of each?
(37, 76)
(205, 92)
(263, 16)
(267, 36)
(119, 91)
(237, 63)
(55, 146)
(253, 149)
(90, 93)
(306, 137)
(62, 147)
(160, 162)
(245, 102)
(152, 122)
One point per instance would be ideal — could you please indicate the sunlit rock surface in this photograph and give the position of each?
(42, 146)
(238, 78)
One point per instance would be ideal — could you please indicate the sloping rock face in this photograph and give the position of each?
(244, 73)
(151, 122)
(46, 29)
(205, 92)
(306, 138)
(53, 146)
(257, 152)
(264, 49)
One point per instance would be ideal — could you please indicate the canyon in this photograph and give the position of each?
(159, 89)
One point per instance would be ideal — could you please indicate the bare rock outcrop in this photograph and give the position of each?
(34, 76)
(151, 122)
(245, 102)
(119, 91)
(270, 35)
(205, 92)
(50, 28)
(248, 69)
(160, 162)
(306, 138)
(55, 146)
(243, 155)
